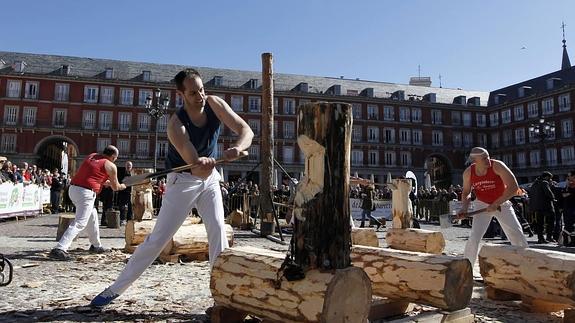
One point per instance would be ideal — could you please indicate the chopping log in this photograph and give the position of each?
(442, 281)
(364, 237)
(415, 240)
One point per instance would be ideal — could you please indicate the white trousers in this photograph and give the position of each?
(86, 218)
(507, 220)
(183, 192)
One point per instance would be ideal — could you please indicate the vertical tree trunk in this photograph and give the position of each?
(401, 204)
(322, 228)
(267, 139)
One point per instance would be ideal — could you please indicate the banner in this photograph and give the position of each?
(382, 209)
(21, 200)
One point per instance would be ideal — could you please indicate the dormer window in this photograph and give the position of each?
(109, 73)
(19, 66)
(146, 76)
(218, 80)
(253, 83)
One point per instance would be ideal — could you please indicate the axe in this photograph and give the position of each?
(446, 220)
(143, 178)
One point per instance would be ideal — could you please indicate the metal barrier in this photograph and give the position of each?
(430, 210)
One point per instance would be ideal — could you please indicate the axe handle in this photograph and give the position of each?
(469, 214)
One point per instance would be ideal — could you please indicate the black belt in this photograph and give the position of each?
(83, 187)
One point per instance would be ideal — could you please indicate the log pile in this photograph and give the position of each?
(441, 281)
(544, 279)
(415, 240)
(190, 241)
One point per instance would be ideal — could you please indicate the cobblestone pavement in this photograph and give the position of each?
(46, 290)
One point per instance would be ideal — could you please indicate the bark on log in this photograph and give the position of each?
(415, 240)
(402, 209)
(437, 280)
(64, 221)
(244, 279)
(141, 198)
(364, 237)
(540, 274)
(321, 229)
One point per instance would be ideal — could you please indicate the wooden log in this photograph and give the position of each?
(401, 207)
(267, 143)
(364, 237)
(442, 281)
(540, 274)
(321, 206)
(532, 305)
(500, 295)
(64, 221)
(112, 218)
(141, 198)
(415, 240)
(245, 278)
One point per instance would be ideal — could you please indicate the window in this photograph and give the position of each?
(102, 143)
(564, 103)
(356, 110)
(494, 119)
(416, 136)
(435, 116)
(13, 89)
(551, 154)
(356, 157)
(388, 113)
(105, 120)
(126, 96)
(456, 137)
(415, 115)
(508, 159)
(124, 121)
(289, 129)
(507, 138)
(254, 104)
(437, 138)
(405, 136)
(142, 148)
(179, 100)
(372, 112)
(218, 80)
(107, 96)
(533, 109)
(372, 134)
(467, 139)
(143, 95)
(31, 90)
(62, 92)
(390, 158)
(547, 106)
(405, 158)
(389, 135)
(356, 133)
(10, 115)
(495, 140)
(506, 116)
(29, 114)
(124, 147)
(109, 73)
(143, 122)
(59, 118)
(146, 76)
(521, 159)
(255, 126)
(404, 114)
(8, 144)
(467, 119)
(373, 158)
(567, 155)
(237, 103)
(162, 149)
(481, 120)
(254, 153)
(456, 118)
(534, 158)
(567, 128)
(162, 123)
(482, 140)
(90, 94)
(89, 119)
(519, 115)
(288, 154)
(276, 105)
(289, 106)
(519, 136)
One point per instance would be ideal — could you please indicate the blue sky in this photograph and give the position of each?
(474, 45)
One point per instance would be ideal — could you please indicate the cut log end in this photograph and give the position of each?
(348, 297)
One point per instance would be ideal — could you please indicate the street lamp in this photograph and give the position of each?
(157, 110)
(542, 130)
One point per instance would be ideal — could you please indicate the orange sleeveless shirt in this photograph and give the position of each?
(488, 187)
(92, 173)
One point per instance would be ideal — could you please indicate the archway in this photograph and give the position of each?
(57, 152)
(439, 169)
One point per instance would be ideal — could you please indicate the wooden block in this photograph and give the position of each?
(569, 315)
(64, 221)
(382, 308)
(222, 314)
(533, 305)
(500, 295)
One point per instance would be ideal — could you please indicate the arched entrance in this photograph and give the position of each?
(57, 152)
(439, 169)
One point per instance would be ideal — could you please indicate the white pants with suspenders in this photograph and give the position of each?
(184, 191)
(86, 218)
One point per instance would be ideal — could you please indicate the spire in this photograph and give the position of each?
(565, 63)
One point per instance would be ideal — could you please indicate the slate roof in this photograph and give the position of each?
(132, 71)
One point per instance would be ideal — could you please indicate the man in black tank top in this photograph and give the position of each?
(200, 188)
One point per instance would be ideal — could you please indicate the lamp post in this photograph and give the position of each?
(156, 110)
(542, 130)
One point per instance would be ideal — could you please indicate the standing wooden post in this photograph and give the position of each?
(322, 229)
(401, 204)
(267, 142)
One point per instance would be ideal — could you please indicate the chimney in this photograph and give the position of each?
(430, 97)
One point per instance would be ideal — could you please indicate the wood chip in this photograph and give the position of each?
(33, 284)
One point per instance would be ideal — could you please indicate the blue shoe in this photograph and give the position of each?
(104, 298)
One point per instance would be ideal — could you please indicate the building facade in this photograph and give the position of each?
(54, 105)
